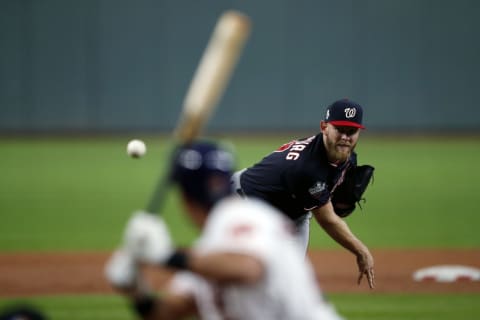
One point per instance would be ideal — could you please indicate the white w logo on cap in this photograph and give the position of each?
(350, 112)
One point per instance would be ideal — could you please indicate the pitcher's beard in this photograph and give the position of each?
(338, 153)
(342, 153)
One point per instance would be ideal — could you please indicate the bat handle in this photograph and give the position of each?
(159, 194)
(157, 199)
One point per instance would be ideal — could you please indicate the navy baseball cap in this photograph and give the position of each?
(203, 170)
(345, 112)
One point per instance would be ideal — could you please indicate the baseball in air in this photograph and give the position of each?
(136, 148)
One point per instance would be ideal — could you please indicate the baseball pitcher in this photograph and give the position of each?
(319, 175)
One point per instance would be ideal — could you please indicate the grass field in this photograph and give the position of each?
(82, 190)
(76, 193)
(351, 306)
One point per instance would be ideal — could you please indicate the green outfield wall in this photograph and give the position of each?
(115, 65)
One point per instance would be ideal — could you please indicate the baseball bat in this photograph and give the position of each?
(208, 84)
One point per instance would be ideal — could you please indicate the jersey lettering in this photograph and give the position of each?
(292, 156)
(242, 229)
(297, 147)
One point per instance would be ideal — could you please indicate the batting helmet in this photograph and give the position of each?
(203, 170)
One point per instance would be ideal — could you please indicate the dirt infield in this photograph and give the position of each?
(82, 273)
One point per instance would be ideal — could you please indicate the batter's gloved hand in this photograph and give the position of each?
(346, 196)
(147, 238)
(121, 269)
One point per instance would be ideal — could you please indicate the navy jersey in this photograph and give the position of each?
(296, 177)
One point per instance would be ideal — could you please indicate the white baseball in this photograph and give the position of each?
(136, 148)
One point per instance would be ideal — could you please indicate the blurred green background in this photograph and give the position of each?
(352, 306)
(76, 193)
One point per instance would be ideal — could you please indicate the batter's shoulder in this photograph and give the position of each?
(234, 208)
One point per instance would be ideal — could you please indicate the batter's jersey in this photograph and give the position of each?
(288, 289)
(295, 178)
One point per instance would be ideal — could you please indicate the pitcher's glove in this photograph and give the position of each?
(350, 191)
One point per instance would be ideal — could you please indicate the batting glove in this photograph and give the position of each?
(147, 238)
(121, 269)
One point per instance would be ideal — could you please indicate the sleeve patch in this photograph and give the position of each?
(317, 189)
